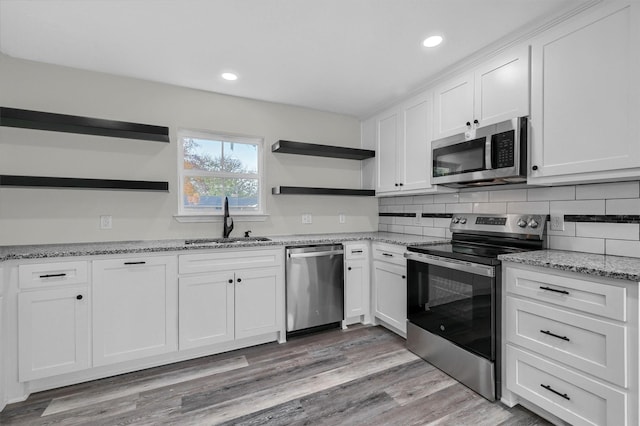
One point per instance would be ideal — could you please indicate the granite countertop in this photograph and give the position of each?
(154, 246)
(620, 267)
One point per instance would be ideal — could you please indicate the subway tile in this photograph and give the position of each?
(413, 208)
(508, 195)
(630, 206)
(433, 232)
(494, 208)
(617, 231)
(577, 207)
(404, 200)
(384, 209)
(459, 208)
(395, 228)
(623, 248)
(423, 199)
(386, 220)
(569, 230)
(556, 193)
(441, 222)
(448, 234)
(433, 208)
(426, 221)
(413, 230)
(446, 198)
(474, 197)
(589, 245)
(601, 191)
(382, 227)
(528, 207)
(404, 220)
(386, 201)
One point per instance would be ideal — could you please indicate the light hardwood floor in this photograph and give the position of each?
(360, 376)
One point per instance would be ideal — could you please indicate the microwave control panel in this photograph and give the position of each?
(503, 146)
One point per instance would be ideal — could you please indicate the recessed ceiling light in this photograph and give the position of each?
(432, 41)
(229, 76)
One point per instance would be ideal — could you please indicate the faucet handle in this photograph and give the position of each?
(246, 234)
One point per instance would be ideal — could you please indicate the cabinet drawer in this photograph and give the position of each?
(49, 274)
(390, 253)
(228, 260)
(585, 343)
(355, 251)
(568, 395)
(591, 297)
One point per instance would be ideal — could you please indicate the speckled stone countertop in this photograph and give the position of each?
(624, 268)
(154, 246)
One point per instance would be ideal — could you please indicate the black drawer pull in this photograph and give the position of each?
(555, 335)
(550, 389)
(387, 254)
(356, 251)
(239, 280)
(79, 297)
(230, 281)
(53, 275)
(135, 263)
(554, 290)
(349, 268)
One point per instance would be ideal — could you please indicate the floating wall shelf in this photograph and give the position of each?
(301, 190)
(301, 148)
(65, 182)
(26, 119)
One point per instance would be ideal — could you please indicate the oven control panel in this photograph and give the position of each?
(508, 223)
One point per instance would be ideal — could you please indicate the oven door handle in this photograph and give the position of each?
(459, 265)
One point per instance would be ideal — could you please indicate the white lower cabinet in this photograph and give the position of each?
(356, 282)
(53, 326)
(134, 308)
(571, 345)
(390, 286)
(230, 295)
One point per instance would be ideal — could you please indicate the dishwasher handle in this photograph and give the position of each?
(315, 254)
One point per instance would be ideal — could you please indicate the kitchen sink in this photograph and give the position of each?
(212, 241)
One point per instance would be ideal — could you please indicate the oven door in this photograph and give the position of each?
(453, 299)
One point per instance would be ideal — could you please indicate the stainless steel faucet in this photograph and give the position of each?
(228, 222)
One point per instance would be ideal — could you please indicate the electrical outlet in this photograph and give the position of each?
(342, 218)
(557, 222)
(307, 218)
(106, 222)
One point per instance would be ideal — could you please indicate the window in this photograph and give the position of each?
(214, 166)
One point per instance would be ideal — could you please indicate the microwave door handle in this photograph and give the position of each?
(488, 153)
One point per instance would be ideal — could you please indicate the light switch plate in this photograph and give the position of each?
(307, 218)
(342, 218)
(106, 222)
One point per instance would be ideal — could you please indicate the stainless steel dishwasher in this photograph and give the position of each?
(315, 286)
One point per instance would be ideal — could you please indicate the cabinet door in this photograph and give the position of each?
(416, 155)
(356, 283)
(53, 332)
(134, 308)
(206, 310)
(502, 88)
(390, 294)
(453, 106)
(585, 92)
(387, 153)
(259, 301)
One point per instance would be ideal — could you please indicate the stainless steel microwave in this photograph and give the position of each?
(497, 154)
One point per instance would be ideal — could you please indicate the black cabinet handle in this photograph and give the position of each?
(387, 254)
(555, 335)
(468, 124)
(239, 280)
(230, 281)
(349, 268)
(404, 276)
(401, 184)
(79, 297)
(53, 275)
(475, 122)
(534, 167)
(550, 389)
(395, 184)
(554, 290)
(135, 263)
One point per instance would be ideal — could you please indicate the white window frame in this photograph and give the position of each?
(210, 215)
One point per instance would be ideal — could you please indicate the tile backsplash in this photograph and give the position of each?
(599, 218)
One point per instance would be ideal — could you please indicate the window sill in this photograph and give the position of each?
(201, 218)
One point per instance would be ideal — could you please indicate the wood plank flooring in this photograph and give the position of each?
(363, 375)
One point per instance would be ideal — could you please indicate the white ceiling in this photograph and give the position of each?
(345, 56)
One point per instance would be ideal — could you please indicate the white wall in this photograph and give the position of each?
(605, 199)
(34, 216)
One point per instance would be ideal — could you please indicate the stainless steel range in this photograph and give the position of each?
(453, 295)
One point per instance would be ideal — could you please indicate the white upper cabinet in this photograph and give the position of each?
(404, 147)
(586, 97)
(495, 91)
